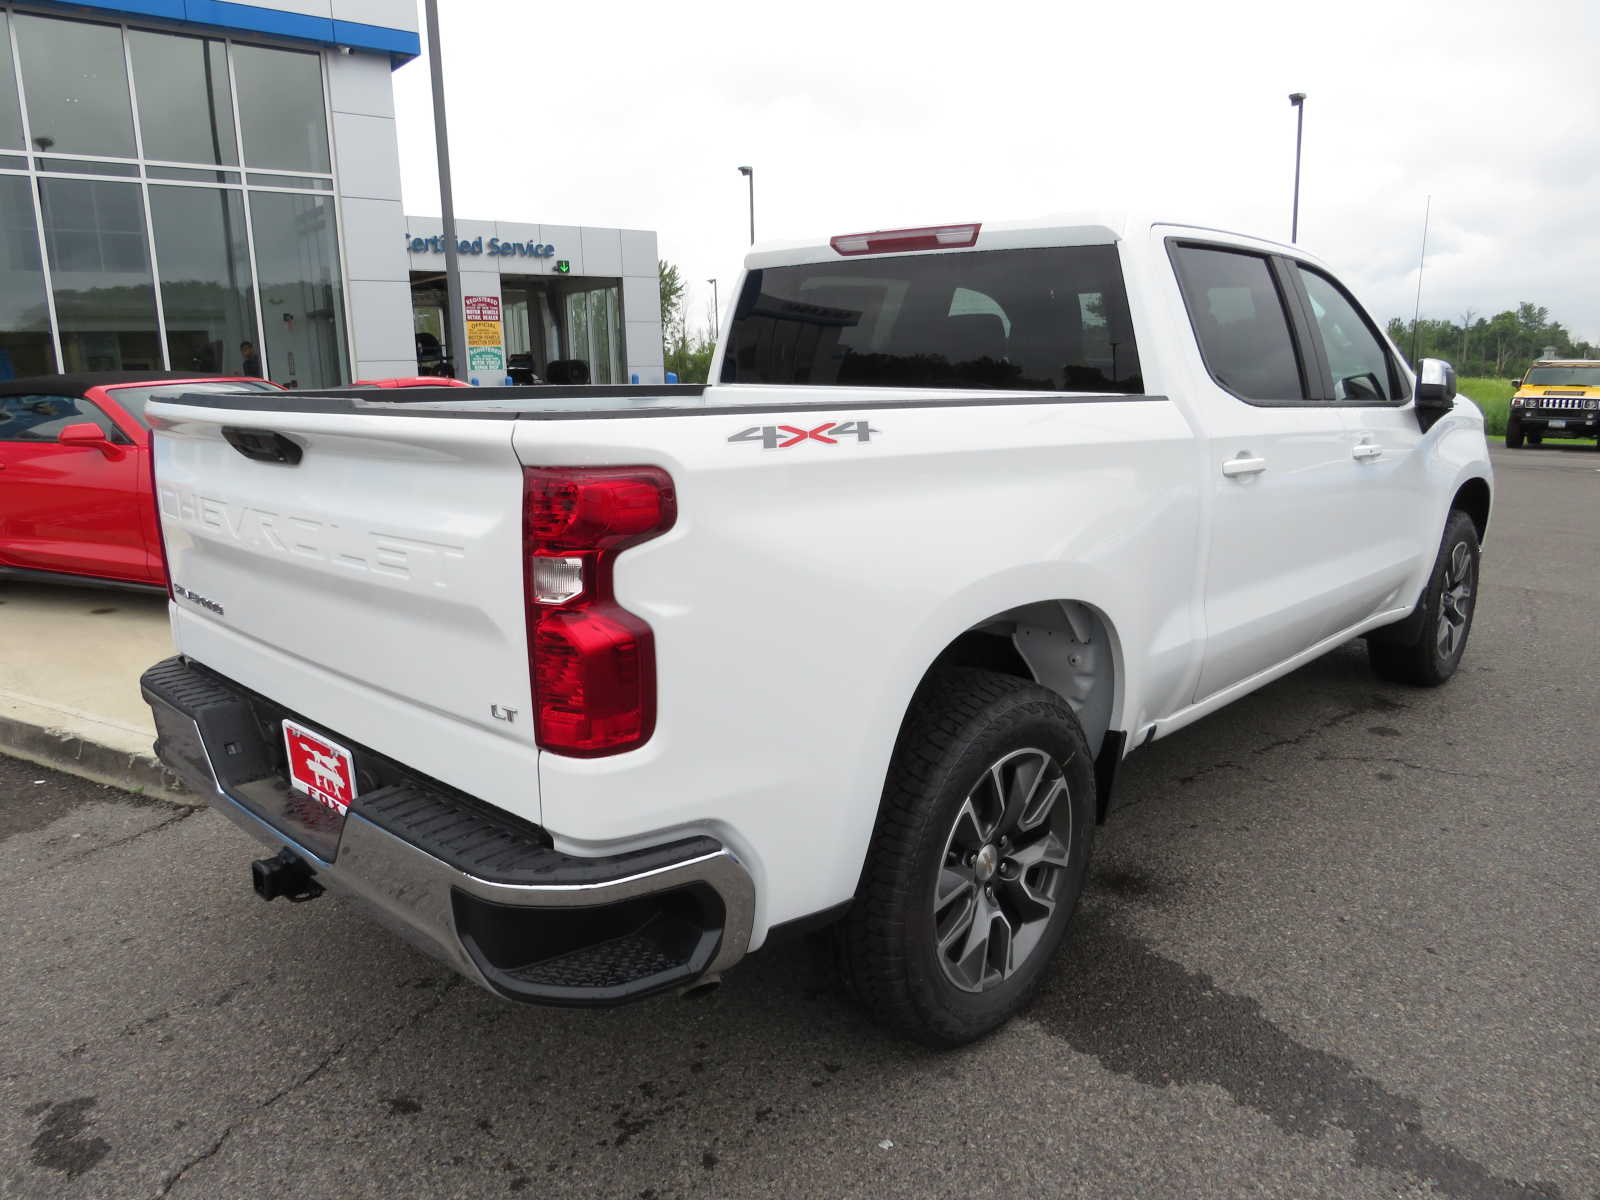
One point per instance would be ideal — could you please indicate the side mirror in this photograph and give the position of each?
(90, 436)
(1516, 383)
(1436, 390)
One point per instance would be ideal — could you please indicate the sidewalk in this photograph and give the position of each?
(70, 661)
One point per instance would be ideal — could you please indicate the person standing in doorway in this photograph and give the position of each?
(252, 360)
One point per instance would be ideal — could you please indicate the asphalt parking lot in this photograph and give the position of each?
(1341, 940)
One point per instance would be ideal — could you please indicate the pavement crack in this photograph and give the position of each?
(182, 815)
(210, 1151)
(1395, 761)
(1195, 776)
(332, 1056)
(421, 1015)
(55, 865)
(1147, 1017)
(322, 1064)
(1322, 726)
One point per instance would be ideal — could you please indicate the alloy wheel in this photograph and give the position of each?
(1455, 601)
(1003, 866)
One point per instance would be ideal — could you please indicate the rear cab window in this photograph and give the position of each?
(1041, 319)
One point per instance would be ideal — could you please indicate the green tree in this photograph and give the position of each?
(687, 352)
(1502, 345)
(688, 355)
(671, 296)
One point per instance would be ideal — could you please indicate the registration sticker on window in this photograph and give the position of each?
(319, 767)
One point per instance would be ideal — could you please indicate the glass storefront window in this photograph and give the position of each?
(100, 272)
(600, 338)
(76, 81)
(428, 324)
(281, 113)
(185, 107)
(302, 306)
(578, 327)
(10, 110)
(25, 346)
(594, 332)
(204, 262)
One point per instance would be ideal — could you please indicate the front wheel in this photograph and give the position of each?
(1513, 436)
(979, 855)
(1432, 654)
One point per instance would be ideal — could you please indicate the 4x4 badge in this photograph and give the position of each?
(829, 433)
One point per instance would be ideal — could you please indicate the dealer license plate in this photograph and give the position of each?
(320, 767)
(1557, 424)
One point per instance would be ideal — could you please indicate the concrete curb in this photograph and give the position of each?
(66, 751)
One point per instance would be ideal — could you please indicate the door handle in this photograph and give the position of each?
(1366, 450)
(1243, 465)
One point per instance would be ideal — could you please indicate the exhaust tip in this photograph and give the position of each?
(285, 874)
(700, 988)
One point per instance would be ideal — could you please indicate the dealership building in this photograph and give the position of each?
(180, 177)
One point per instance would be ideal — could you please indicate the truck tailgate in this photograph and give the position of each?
(374, 585)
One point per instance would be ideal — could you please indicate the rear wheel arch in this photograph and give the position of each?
(1065, 645)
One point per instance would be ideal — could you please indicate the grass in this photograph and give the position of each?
(1493, 396)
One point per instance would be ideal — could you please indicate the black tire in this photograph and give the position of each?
(1536, 439)
(963, 726)
(1433, 653)
(1513, 436)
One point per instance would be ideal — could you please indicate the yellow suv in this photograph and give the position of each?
(1556, 398)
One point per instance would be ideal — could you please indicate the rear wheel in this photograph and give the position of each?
(978, 858)
(1433, 653)
(1536, 439)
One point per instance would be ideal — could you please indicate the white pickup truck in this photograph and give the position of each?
(592, 691)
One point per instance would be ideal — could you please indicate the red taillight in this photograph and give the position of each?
(592, 662)
(900, 241)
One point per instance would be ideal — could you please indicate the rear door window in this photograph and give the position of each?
(1050, 319)
(1240, 322)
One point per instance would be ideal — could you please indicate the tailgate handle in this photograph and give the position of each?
(263, 445)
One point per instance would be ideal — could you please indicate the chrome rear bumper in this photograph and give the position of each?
(592, 931)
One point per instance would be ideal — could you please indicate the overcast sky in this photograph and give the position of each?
(869, 114)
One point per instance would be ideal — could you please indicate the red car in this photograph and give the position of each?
(75, 499)
(411, 381)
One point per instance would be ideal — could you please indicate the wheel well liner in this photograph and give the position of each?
(1065, 646)
(1472, 498)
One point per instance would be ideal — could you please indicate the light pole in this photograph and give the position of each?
(1298, 99)
(716, 307)
(750, 174)
(456, 318)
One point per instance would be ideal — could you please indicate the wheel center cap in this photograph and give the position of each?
(987, 862)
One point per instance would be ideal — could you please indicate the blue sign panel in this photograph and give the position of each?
(229, 17)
